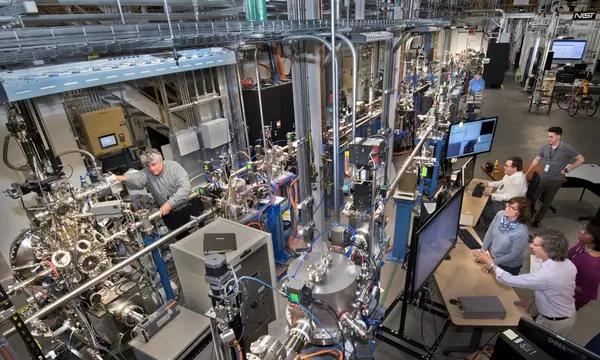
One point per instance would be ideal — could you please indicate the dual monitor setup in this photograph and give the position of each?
(438, 233)
(436, 236)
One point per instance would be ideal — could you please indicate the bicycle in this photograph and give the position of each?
(586, 103)
(576, 100)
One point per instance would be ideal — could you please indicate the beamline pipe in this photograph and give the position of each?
(406, 163)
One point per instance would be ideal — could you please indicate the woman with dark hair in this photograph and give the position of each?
(586, 257)
(507, 236)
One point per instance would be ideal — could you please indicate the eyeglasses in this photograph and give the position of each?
(512, 208)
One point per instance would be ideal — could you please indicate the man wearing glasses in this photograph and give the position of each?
(513, 184)
(167, 181)
(553, 283)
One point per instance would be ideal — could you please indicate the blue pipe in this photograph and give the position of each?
(161, 267)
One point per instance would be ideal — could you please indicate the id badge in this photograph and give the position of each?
(547, 167)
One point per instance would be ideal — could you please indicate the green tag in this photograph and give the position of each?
(249, 166)
(424, 172)
(295, 298)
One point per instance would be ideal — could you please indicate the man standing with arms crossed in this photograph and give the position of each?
(559, 158)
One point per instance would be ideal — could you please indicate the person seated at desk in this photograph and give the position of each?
(586, 257)
(553, 283)
(476, 85)
(507, 236)
(514, 183)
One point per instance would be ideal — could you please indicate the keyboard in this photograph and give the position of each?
(468, 239)
(478, 191)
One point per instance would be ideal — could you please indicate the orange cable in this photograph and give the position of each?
(337, 353)
(255, 223)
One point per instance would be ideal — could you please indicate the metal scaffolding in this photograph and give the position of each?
(28, 44)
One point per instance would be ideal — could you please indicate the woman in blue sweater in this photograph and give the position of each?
(507, 236)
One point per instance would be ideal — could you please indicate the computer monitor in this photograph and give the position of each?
(468, 171)
(568, 49)
(471, 138)
(107, 141)
(435, 239)
(555, 345)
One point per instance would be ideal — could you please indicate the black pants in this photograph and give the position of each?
(546, 192)
(511, 270)
(181, 215)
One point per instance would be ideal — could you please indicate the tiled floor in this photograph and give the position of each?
(519, 133)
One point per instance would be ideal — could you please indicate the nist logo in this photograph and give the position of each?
(584, 15)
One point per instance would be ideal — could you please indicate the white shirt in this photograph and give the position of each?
(553, 285)
(509, 187)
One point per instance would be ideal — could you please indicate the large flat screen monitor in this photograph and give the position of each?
(471, 138)
(568, 49)
(435, 239)
(553, 344)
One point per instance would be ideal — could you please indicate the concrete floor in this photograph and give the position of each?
(519, 133)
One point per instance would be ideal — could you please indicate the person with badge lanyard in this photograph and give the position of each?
(559, 158)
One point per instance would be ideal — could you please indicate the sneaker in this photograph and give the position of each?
(536, 223)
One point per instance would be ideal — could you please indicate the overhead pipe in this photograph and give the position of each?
(260, 104)
(241, 98)
(354, 79)
(166, 8)
(389, 89)
(110, 271)
(336, 119)
(302, 160)
(50, 18)
(406, 163)
(208, 3)
(120, 11)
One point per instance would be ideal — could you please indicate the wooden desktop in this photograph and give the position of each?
(462, 276)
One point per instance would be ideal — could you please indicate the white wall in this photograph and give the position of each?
(13, 218)
(462, 39)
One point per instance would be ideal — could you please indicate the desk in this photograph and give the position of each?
(586, 176)
(499, 174)
(472, 206)
(461, 276)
